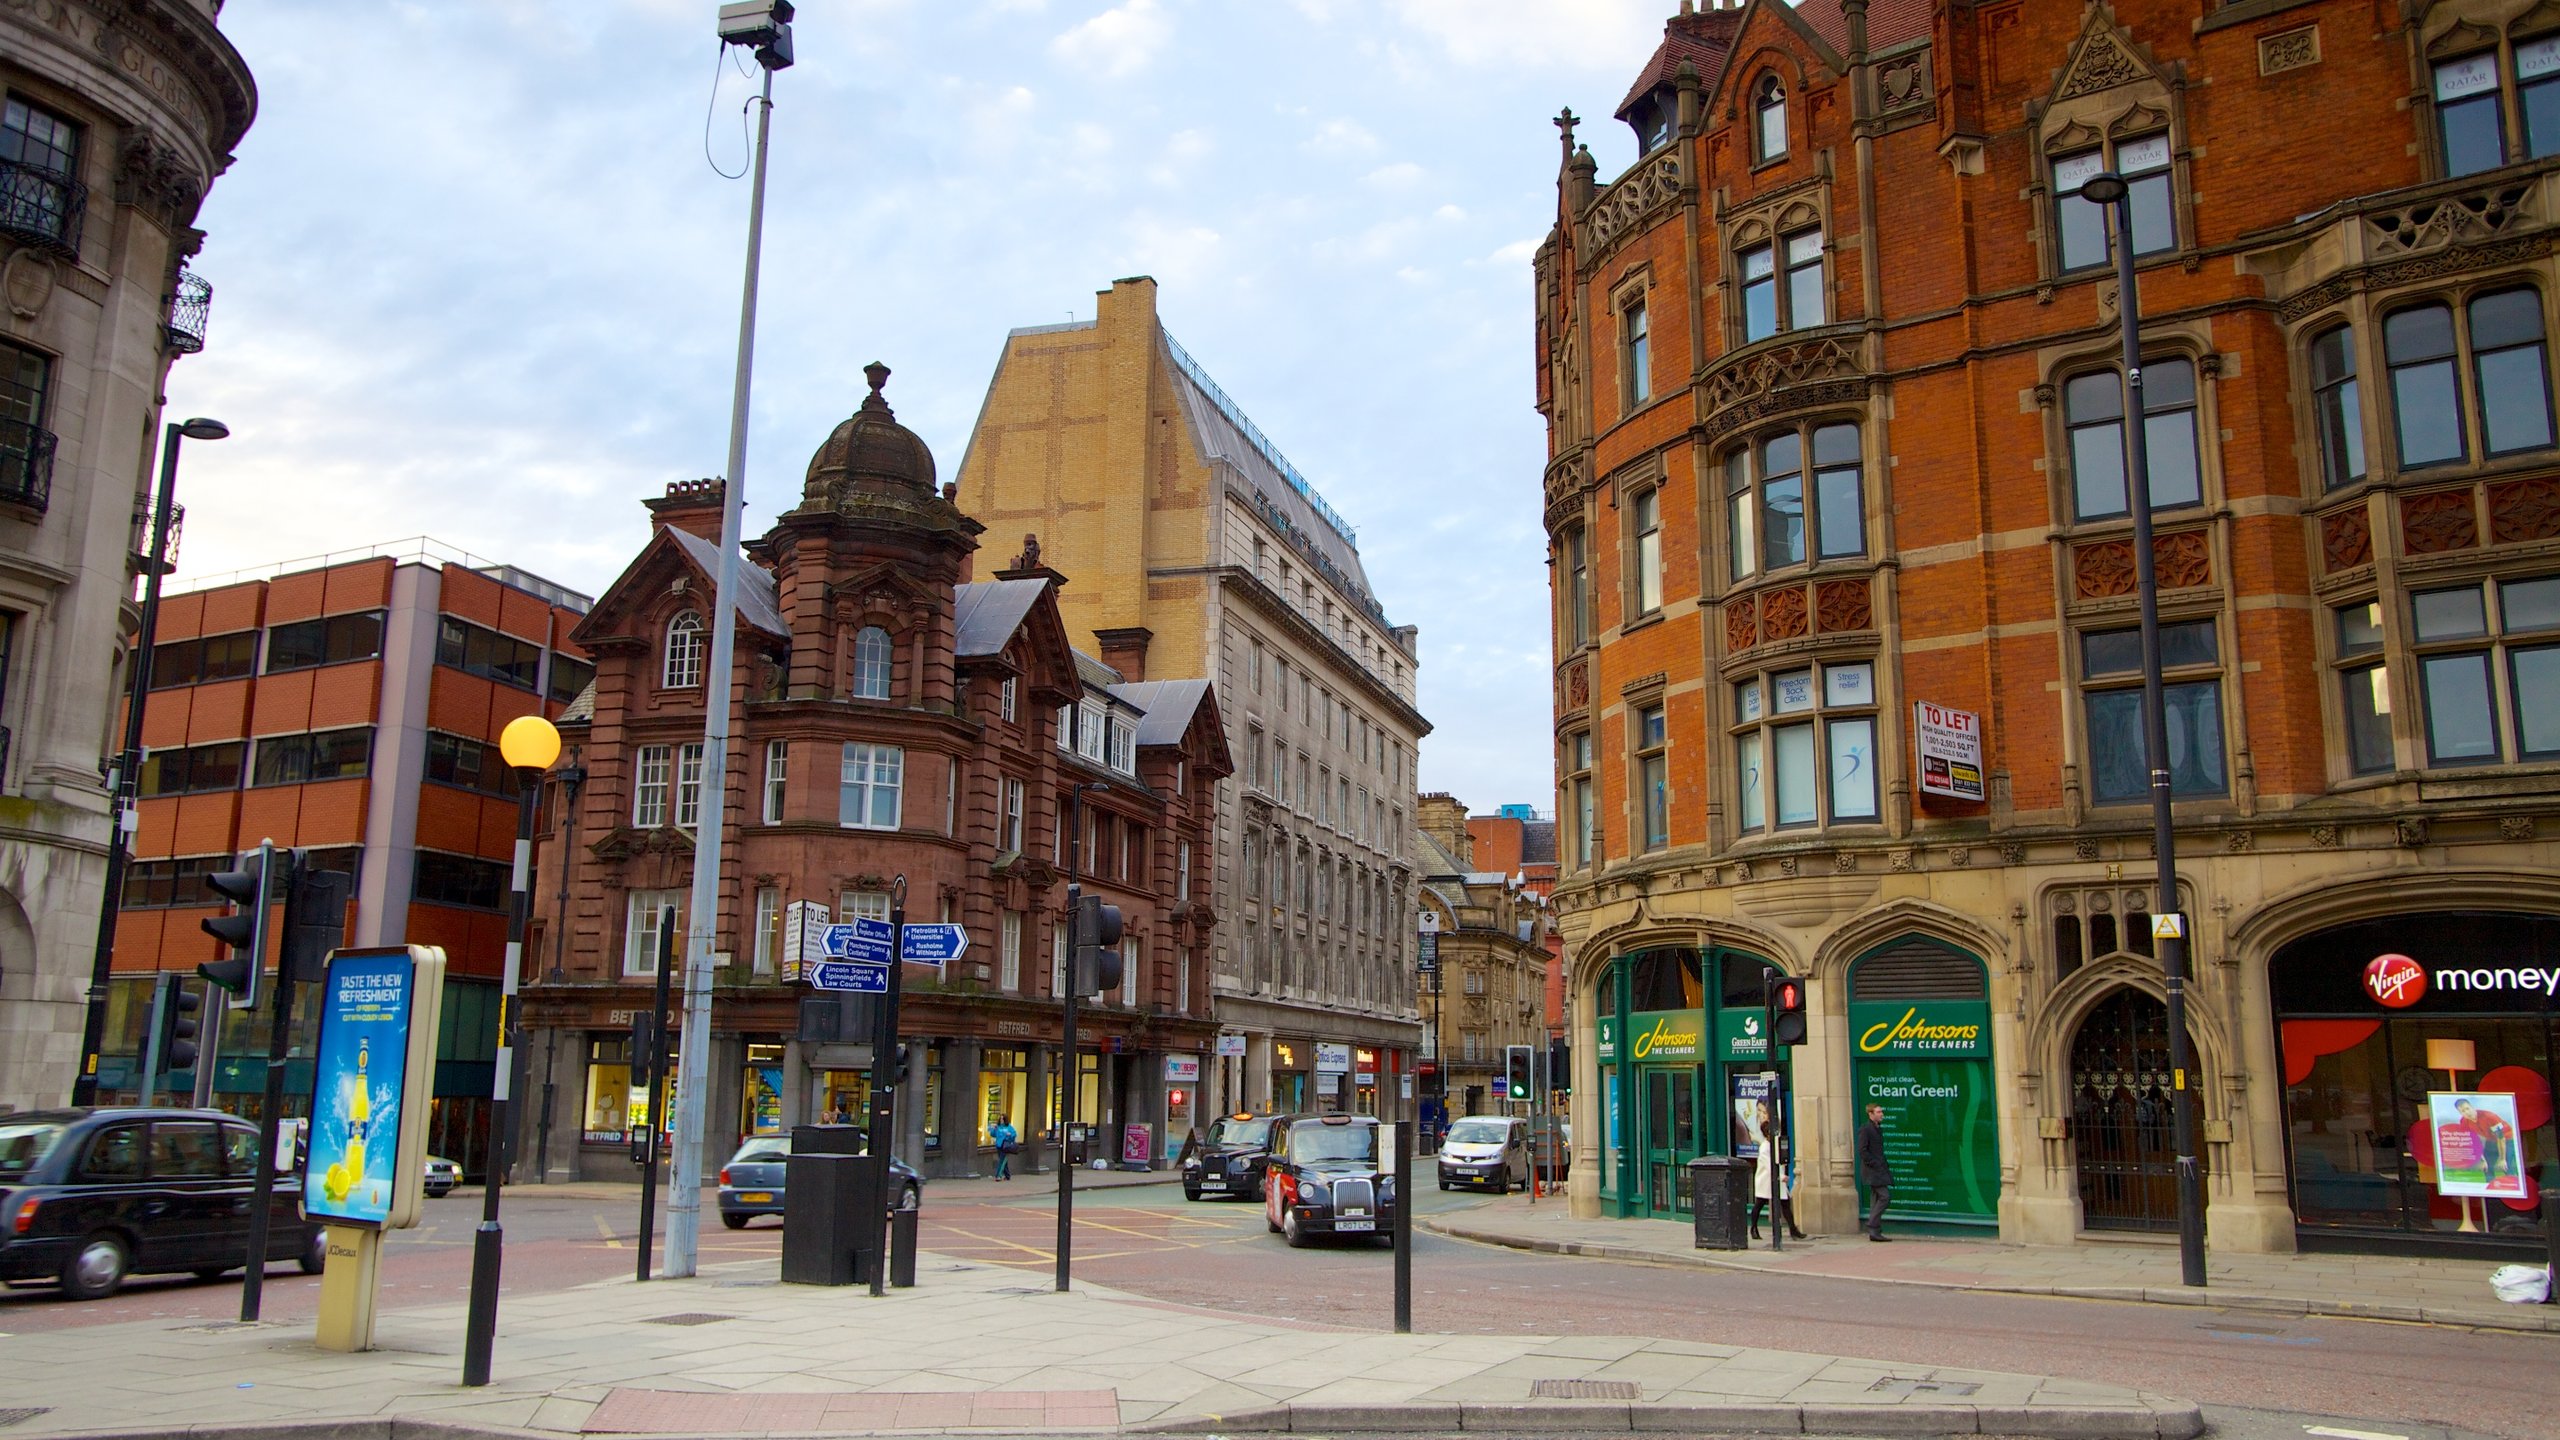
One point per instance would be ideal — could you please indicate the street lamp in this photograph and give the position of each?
(1070, 1084)
(529, 744)
(93, 1028)
(2109, 189)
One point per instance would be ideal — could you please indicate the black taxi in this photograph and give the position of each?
(1227, 1158)
(1326, 1176)
(91, 1196)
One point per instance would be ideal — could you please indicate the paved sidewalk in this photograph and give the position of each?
(2383, 1287)
(734, 1353)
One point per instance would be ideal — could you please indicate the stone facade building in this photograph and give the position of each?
(1836, 468)
(1492, 929)
(1193, 538)
(898, 722)
(114, 120)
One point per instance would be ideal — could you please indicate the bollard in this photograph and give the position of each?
(2551, 1244)
(902, 1249)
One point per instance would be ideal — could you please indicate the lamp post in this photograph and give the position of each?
(572, 776)
(128, 780)
(2109, 189)
(529, 744)
(1070, 1084)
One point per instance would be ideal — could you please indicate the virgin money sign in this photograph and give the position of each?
(2396, 981)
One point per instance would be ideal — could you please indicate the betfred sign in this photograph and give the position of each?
(2395, 980)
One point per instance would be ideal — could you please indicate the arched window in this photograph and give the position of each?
(1769, 119)
(871, 664)
(683, 668)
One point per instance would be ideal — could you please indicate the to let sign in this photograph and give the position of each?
(1950, 745)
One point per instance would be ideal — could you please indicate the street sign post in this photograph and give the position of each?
(864, 940)
(855, 976)
(932, 944)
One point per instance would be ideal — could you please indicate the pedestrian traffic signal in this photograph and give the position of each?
(174, 1024)
(1559, 1065)
(244, 930)
(1520, 1069)
(644, 1049)
(1786, 1010)
(1097, 961)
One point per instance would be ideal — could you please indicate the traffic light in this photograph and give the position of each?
(1559, 1065)
(174, 1025)
(250, 889)
(1519, 1067)
(1096, 945)
(315, 919)
(1786, 1010)
(644, 1050)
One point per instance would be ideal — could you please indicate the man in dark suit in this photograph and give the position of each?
(1873, 1172)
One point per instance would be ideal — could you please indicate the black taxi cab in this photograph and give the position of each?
(91, 1196)
(1326, 1176)
(1227, 1158)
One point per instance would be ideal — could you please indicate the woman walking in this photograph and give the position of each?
(1005, 1138)
(1761, 1165)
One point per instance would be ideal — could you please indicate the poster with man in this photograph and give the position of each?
(2479, 1149)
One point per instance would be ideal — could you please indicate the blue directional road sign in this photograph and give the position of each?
(932, 944)
(865, 940)
(838, 975)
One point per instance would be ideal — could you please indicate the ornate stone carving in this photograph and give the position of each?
(2012, 853)
(2085, 849)
(2448, 220)
(1782, 613)
(1821, 370)
(1960, 856)
(1844, 861)
(1842, 605)
(1741, 625)
(1901, 860)
(1787, 866)
(2413, 831)
(2239, 842)
(2104, 64)
(2289, 50)
(2524, 510)
(1741, 870)
(155, 178)
(2454, 260)
(1904, 83)
(2346, 539)
(2439, 520)
(2102, 570)
(1623, 208)
(1577, 685)
(2325, 836)
(2516, 827)
(2181, 561)
(28, 279)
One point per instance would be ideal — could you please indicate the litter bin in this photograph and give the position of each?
(1720, 1201)
(830, 1225)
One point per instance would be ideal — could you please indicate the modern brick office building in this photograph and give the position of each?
(1836, 471)
(897, 719)
(349, 708)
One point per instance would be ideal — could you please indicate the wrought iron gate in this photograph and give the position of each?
(2122, 1127)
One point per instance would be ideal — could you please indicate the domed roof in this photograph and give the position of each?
(871, 449)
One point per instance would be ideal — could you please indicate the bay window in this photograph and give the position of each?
(1778, 507)
(1804, 747)
(870, 785)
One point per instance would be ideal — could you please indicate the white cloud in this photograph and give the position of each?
(1341, 137)
(1402, 175)
(1604, 34)
(1117, 43)
(1448, 212)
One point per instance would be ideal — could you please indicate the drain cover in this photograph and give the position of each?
(689, 1317)
(1897, 1385)
(24, 1412)
(1584, 1390)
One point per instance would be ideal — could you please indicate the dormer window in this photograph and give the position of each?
(683, 667)
(871, 664)
(1769, 119)
(1650, 118)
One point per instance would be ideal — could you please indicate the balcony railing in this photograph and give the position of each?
(187, 311)
(41, 207)
(26, 464)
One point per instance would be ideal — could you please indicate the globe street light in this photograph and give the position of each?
(2108, 189)
(529, 745)
(128, 777)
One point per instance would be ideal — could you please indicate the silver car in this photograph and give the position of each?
(1489, 1152)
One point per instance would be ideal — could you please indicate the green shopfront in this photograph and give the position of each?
(1920, 1045)
(1684, 1069)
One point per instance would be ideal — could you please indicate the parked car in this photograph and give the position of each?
(1489, 1152)
(1227, 1158)
(753, 1182)
(1324, 1177)
(89, 1197)
(442, 1176)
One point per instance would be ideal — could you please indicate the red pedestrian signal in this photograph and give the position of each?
(1786, 1010)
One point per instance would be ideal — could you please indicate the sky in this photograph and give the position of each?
(476, 271)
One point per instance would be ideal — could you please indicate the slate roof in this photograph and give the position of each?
(582, 710)
(986, 614)
(1537, 842)
(1702, 39)
(1165, 706)
(758, 601)
(1889, 22)
(1096, 674)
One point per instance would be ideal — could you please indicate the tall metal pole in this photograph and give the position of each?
(488, 1243)
(656, 1078)
(884, 1086)
(1073, 1078)
(93, 1026)
(2110, 190)
(572, 776)
(684, 1200)
(253, 1280)
(1404, 1226)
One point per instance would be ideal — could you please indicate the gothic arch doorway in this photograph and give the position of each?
(2122, 1125)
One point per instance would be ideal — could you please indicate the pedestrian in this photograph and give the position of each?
(1762, 1166)
(1005, 1138)
(1873, 1171)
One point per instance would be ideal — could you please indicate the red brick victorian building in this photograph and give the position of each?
(895, 718)
(1846, 680)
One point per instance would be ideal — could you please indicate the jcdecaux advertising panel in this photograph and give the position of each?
(371, 1080)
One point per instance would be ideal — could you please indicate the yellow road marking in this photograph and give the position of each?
(606, 1231)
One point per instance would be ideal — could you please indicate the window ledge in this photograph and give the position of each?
(1645, 621)
(2241, 12)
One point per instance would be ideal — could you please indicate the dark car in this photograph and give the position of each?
(1325, 1178)
(91, 1196)
(751, 1184)
(1227, 1158)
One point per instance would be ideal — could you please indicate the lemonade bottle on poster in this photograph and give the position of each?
(359, 1114)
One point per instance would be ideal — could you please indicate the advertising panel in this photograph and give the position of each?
(1753, 1092)
(2479, 1151)
(1231, 1047)
(373, 1064)
(1950, 746)
(1662, 1037)
(1332, 1059)
(1927, 1063)
(1183, 1068)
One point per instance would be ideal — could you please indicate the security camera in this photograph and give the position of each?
(763, 25)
